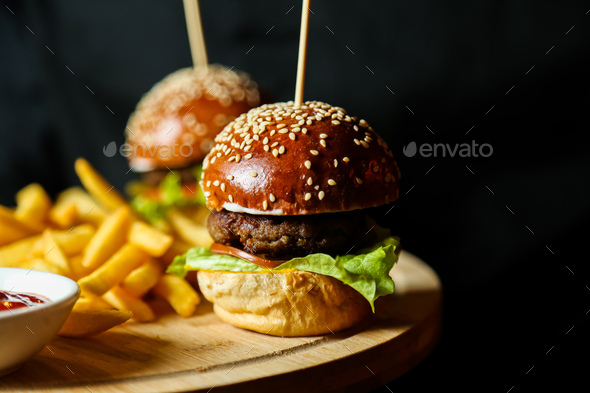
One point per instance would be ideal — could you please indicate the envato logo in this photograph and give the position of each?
(152, 151)
(443, 150)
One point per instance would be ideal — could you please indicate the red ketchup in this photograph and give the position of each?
(12, 300)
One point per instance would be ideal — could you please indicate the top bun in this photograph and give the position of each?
(280, 159)
(174, 124)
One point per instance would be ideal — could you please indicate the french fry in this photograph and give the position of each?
(113, 271)
(74, 240)
(109, 237)
(78, 271)
(91, 303)
(179, 293)
(149, 239)
(13, 253)
(190, 232)
(142, 279)
(32, 204)
(54, 253)
(63, 214)
(41, 265)
(121, 300)
(12, 229)
(97, 186)
(75, 205)
(86, 323)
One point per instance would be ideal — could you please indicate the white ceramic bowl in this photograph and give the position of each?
(25, 331)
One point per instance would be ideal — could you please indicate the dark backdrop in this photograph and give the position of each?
(506, 233)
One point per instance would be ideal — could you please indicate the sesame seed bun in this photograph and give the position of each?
(175, 123)
(280, 159)
(293, 303)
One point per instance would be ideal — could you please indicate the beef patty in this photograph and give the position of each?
(283, 237)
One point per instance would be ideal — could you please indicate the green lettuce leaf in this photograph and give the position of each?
(367, 272)
(172, 194)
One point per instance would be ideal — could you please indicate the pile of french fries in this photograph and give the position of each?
(93, 237)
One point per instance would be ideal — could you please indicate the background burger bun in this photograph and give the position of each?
(175, 123)
(293, 303)
(285, 160)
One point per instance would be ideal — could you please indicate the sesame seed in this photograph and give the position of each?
(376, 168)
(274, 144)
(229, 177)
(282, 150)
(265, 140)
(223, 187)
(272, 197)
(321, 195)
(216, 183)
(292, 136)
(346, 159)
(231, 198)
(281, 126)
(283, 131)
(304, 130)
(309, 181)
(323, 136)
(249, 142)
(232, 158)
(266, 148)
(357, 141)
(272, 132)
(363, 123)
(308, 164)
(265, 205)
(314, 152)
(355, 127)
(275, 152)
(208, 183)
(307, 196)
(335, 163)
(335, 122)
(323, 142)
(253, 174)
(365, 144)
(301, 122)
(207, 194)
(331, 182)
(247, 148)
(248, 156)
(238, 157)
(358, 180)
(213, 159)
(218, 155)
(296, 129)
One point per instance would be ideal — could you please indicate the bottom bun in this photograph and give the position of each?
(294, 303)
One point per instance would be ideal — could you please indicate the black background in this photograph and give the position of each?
(505, 233)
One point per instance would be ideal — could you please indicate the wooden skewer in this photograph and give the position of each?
(195, 33)
(302, 53)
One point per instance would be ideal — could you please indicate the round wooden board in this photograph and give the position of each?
(203, 354)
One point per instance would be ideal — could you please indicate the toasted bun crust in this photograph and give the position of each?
(294, 303)
(285, 160)
(174, 124)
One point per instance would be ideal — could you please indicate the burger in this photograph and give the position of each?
(294, 252)
(172, 129)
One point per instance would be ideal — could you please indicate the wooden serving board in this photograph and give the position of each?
(204, 354)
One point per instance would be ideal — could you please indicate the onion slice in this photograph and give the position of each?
(217, 248)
